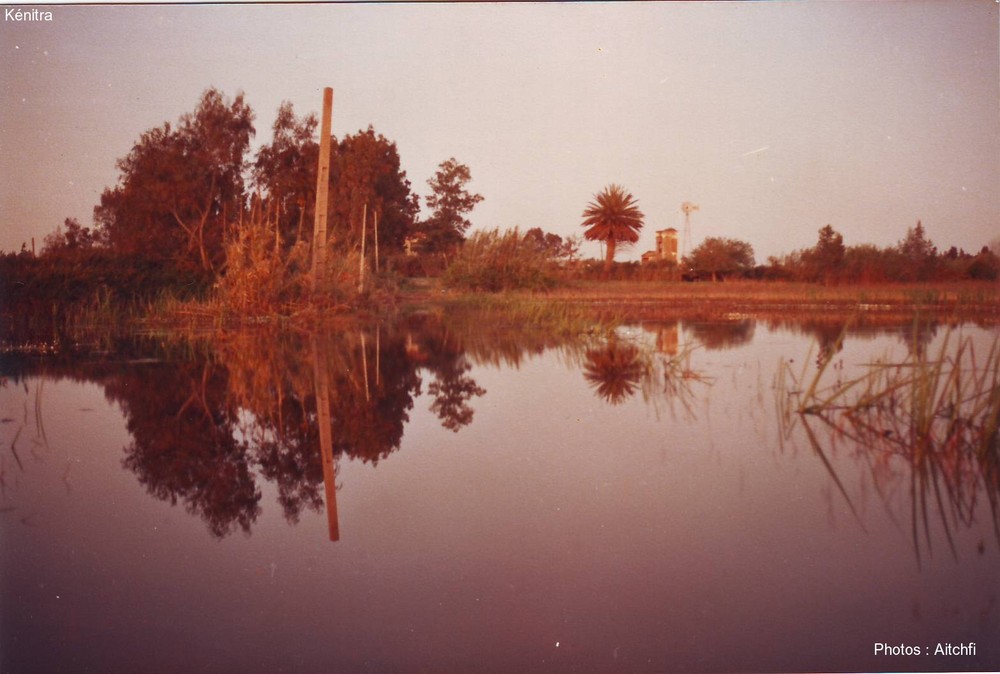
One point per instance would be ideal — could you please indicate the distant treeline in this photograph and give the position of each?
(913, 259)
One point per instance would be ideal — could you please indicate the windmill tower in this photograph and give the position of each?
(687, 208)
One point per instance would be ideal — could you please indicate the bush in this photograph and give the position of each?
(259, 279)
(495, 261)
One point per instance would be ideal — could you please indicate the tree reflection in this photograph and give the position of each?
(723, 334)
(614, 370)
(183, 445)
(247, 406)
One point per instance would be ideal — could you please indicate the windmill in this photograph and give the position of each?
(687, 208)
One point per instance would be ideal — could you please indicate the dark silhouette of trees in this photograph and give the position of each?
(180, 187)
(183, 445)
(72, 236)
(452, 389)
(614, 218)
(450, 202)
(918, 254)
(825, 259)
(552, 245)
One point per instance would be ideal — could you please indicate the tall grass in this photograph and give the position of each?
(495, 261)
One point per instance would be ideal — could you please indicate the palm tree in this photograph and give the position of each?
(613, 217)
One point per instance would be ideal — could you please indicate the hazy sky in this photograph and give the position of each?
(776, 118)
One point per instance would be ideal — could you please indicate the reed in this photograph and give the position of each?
(496, 261)
(931, 419)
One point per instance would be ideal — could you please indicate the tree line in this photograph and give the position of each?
(193, 208)
(614, 218)
(186, 189)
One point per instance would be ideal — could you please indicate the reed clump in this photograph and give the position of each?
(260, 277)
(496, 261)
(929, 419)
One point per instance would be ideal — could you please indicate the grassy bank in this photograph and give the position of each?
(975, 300)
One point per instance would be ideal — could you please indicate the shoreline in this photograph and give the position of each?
(647, 299)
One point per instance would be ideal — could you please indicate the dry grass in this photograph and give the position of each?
(637, 300)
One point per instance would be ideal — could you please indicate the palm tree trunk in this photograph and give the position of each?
(609, 260)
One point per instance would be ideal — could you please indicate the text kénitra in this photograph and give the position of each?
(27, 15)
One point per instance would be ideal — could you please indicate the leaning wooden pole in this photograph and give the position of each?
(322, 192)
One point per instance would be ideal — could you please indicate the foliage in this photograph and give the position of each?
(365, 175)
(913, 259)
(824, 260)
(918, 254)
(74, 237)
(552, 245)
(179, 187)
(614, 218)
(260, 278)
(450, 202)
(285, 173)
(52, 284)
(719, 256)
(495, 261)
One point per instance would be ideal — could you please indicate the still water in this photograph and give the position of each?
(444, 494)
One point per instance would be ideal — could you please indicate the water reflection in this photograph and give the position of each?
(212, 418)
(725, 334)
(613, 370)
(926, 426)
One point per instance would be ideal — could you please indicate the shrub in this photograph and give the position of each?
(495, 261)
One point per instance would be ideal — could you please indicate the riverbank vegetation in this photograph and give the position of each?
(198, 225)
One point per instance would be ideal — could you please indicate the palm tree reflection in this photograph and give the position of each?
(614, 370)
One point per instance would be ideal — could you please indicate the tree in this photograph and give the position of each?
(918, 254)
(721, 257)
(450, 201)
(552, 245)
(614, 218)
(71, 236)
(180, 187)
(824, 260)
(285, 172)
(365, 170)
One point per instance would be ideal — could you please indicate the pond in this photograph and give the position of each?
(452, 493)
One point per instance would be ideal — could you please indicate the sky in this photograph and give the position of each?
(776, 118)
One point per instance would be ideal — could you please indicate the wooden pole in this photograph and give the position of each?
(376, 241)
(322, 191)
(364, 235)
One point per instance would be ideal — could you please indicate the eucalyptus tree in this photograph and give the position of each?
(181, 186)
(284, 172)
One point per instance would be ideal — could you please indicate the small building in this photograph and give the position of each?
(666, 247)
